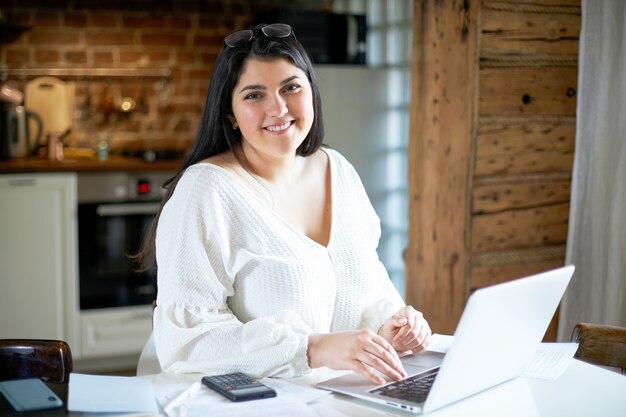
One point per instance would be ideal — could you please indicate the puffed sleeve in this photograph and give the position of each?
(383, 301)
(194, 329)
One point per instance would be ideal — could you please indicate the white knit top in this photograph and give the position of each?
(240, 288)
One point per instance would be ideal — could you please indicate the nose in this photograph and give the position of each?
(276, 105)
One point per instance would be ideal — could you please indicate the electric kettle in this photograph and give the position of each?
(15, 138)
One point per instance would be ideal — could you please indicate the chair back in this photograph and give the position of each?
(49, 360)
(601, 344)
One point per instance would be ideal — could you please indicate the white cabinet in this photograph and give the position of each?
(38, 266)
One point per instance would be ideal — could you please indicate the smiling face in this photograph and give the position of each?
(273, 107)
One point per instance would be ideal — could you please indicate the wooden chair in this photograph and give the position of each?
(49, 360)
(601, 344)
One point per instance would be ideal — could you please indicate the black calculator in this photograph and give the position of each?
(238, 387)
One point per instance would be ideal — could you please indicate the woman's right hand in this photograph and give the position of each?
(359, 351)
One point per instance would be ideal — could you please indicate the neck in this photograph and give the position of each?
(272, 170)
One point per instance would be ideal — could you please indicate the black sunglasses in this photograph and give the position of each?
(275, 30)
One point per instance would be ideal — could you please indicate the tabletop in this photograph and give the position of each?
(582, 390)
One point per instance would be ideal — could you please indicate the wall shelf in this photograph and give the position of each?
(84, 73)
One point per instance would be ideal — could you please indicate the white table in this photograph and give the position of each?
(582, 390)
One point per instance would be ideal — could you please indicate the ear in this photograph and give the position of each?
(233, 121)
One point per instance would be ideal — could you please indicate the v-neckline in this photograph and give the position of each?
(258, 201)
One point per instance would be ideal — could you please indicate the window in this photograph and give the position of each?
(389, 42)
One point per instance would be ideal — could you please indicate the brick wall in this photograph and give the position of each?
(183, 36)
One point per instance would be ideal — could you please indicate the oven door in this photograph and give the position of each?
(108, 234)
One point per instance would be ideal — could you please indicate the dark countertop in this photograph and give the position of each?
(113, 163)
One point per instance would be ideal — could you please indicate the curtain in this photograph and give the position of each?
(596, 241)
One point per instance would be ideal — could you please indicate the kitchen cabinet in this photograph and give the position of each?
(37, 258)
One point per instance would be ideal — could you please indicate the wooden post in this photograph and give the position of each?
(440, 157)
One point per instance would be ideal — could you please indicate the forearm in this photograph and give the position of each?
(218, 343)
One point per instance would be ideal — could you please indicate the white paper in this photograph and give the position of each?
(110, 394)
(306, 394)
(550, 360)
(284, 405)
(440, 343)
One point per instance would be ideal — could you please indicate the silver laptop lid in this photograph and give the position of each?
(498, 334)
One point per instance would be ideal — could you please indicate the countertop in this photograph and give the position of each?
(113, 163)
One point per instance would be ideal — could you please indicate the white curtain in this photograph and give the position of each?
(596, 241)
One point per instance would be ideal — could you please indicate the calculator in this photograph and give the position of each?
(238, 387)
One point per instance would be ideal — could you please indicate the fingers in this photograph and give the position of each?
(384, 358)
(415, 335)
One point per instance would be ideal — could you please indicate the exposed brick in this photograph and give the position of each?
(46, 56)
(75, 19)
(101, 58)
(208, 40)
(163, 40)
(76, 57)
(185, 57)
(212, 24)
(201, 74)
(111, 39)
(127, 57)
(53, 37)
(140, 22)
(180, 22)
(104, 20)
(158, 56)
(17, 56)
(47, 18)
(209, 57)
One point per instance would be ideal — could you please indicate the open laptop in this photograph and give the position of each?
(496, 338)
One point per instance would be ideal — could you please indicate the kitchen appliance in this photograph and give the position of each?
(114, 211)
(18, 138)
(330, 38)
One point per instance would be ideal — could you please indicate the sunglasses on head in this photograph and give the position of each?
(275, 30)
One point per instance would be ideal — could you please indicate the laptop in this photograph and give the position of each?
(499, 332)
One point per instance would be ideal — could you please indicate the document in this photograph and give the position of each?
(110, 394)
(550, 360)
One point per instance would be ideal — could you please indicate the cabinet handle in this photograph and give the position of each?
(22, 182)
(105, 210)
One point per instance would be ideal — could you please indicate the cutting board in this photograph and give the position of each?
(51, 98)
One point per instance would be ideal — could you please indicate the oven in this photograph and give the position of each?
(115, 210)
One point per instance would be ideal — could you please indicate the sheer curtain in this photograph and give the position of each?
(596, 241)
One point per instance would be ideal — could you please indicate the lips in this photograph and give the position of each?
(278, 128)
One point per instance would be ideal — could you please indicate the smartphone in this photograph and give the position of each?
(238, 387)
(29, 394)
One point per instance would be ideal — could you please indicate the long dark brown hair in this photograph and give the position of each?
(215, 134)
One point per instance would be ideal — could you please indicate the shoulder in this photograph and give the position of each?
(340, 165)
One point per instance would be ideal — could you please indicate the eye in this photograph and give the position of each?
(252, 96)
(292, 88)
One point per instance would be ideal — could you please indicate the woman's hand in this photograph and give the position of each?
(361, 351)
(406, 330)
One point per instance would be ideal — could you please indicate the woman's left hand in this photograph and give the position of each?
(406, 330)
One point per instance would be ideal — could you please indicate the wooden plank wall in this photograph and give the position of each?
(524, 142)
(491, 146)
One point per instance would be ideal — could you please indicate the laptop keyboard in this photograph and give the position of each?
(414, 389)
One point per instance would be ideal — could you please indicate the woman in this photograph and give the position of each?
(266, 242)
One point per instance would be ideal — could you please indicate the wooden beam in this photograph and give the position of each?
(439, 157)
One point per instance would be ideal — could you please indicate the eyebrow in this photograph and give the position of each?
(262, 87)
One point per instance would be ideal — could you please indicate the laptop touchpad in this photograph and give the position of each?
(426, 359)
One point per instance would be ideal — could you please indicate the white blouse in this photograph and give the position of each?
(240, 289)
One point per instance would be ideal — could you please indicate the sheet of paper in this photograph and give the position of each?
(304, 393)
(284, 405)
(110, 394)
(440, 343)
(550, 360)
